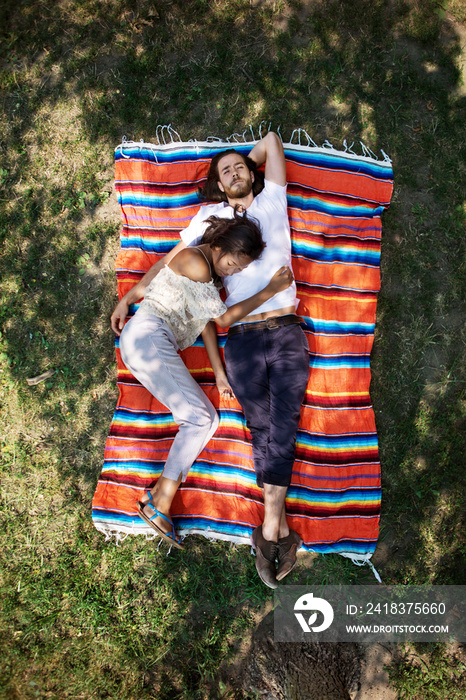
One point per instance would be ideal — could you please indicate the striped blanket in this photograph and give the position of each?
(335, 203)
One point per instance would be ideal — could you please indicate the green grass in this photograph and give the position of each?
(81, 618)
(427, 676)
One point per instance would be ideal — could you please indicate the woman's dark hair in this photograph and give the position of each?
(240, 235)
(210, 190)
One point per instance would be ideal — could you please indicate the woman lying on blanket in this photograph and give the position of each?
(178, 305)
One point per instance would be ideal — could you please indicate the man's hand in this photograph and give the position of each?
(118, 318)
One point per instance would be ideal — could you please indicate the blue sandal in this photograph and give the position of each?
(149, 520)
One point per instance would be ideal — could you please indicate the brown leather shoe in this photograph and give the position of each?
(266, 553)
(287, 548)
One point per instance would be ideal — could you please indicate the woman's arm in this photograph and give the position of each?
(120, 312)
(280, 281)
(191, 263)
(209, 336)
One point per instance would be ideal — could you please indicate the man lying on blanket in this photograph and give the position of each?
(266, 353)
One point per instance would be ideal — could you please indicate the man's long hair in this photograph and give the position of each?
(210, 190)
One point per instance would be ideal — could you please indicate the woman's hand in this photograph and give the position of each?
(224, 388)
(118, 318)
(281, 280)
(209, 336)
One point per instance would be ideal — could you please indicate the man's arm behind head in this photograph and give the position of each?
(269, 150)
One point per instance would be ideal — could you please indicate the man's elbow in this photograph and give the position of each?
(272, 137)
(274, 141)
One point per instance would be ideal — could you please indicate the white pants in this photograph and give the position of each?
(149, 350)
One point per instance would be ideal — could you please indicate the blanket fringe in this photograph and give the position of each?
(165, 135)
(120, 536)
(362, 561)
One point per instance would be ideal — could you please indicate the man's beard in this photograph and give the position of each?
(241, 188)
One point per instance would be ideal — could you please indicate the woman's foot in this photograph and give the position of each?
(147, 506)
(158, 521)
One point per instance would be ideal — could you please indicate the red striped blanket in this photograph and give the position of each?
(335, 203)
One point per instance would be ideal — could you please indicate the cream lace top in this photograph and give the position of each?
(185, 305)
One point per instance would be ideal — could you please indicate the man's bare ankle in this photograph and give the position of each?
(269, 533)
(283, 532)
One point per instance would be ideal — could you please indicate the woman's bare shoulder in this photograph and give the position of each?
(191, 263)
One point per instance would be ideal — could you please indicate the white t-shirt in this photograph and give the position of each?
(269, 208)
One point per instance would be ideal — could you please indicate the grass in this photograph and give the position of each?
(81, 618)
(427, 676)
